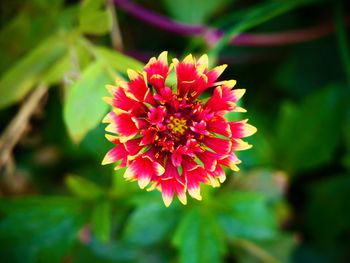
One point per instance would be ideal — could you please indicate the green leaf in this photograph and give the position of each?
(69, 65)
(26, 28)
(117, 60)
(262, 152)
(304, 70)
(98, 252)
(278, 250)
(83, 188)
(96, 144)
(19, 79)
(346, 158)
(267, 182)
(150, 223)
(57, 71)
(199, 238)
(247, 215)
(94, 18)
(83, 107)
(305, 138)
(195, 11)
(333, 195)
(257, 16)
(37, 229)
(101, 221)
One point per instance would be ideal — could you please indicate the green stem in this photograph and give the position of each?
(255, 250)
(343, 44)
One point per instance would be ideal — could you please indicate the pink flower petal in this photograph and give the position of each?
(240, 129)
(171, 183)
(219, 125)
(219, 145)
(157, 70)
(121, 101)
(122, 124)
(224, 99)
(137, 87)
(142, 169)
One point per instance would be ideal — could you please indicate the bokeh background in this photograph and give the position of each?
(290, 201)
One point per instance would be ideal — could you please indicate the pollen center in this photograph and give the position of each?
(177, 125)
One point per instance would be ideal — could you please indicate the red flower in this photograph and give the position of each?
(167, 135)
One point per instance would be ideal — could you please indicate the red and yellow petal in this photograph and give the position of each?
(215, 73)
(157, 70)
(209, 159)
(186, 73)
(230, 161)
(224, 99)
(122, 124)
(193, 178)
(219, 125)
(241, 129)
(142, 168)
(133, 146)
(203, 61)
(137, 87)
(115, 154)
(148, 136)
(176, 155)
(171, 183)
(240, 145)
(219, 174)
(220, 146)
(121, 101)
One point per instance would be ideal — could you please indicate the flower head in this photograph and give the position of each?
(168, 136)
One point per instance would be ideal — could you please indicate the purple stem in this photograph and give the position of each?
(158, 20)
(212, 35)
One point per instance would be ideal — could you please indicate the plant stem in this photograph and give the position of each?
(340, 28)
(17, 126)
(255, 250)
(213, 35)
(116, 36)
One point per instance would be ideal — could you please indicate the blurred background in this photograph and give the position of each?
(289, 202)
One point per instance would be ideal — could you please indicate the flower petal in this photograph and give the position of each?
(215, 73)
(115, 154)
(230, 161)
(176, 155)
(133, 146)
(209, 159)
(218, 173)
(121, 101)
(219, 125)
(224, 98)
(170, 183)
(186, 73)
(122, 124)
(142, 168)
(137, 87)
(240, 145)
(157, 70)
(219, 145)
(167, 192)
(148, 136)
(156, 115)
(240, 129)
(193, 178)
(203, 60)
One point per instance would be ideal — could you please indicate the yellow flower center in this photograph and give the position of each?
(177, 125)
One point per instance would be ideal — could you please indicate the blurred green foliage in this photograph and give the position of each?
(289, 202)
